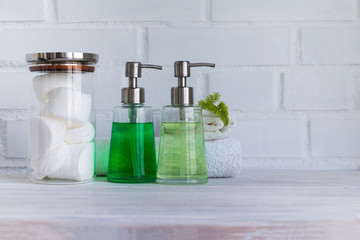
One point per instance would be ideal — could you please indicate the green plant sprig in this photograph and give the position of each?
(221, 109)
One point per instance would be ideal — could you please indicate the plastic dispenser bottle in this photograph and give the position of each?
(182, 158)
(132, 147)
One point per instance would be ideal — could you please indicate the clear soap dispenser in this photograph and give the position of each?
(132, 148)
(182, 158)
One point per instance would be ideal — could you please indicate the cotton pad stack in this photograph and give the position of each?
(61, 135)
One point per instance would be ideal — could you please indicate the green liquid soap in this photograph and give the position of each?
(182, 158)
(132, 153)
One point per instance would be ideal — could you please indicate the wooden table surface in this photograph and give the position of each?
(256, 205)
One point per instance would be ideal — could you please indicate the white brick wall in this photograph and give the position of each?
(284, 10)
(19, 10)
(289, 70)
(16, 130)
(225, 46)
(13, 90)
(245, 91)
(331, 45)
(273, 138)
(317, 91)
(128, 10)
(335, 138)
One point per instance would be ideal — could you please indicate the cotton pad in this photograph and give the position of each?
(43, 84)
(46, 134)
(51, 161)
(80, 165)
(82, 134)
(71, 106)
(36, 168)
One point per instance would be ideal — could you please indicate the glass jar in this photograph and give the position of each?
(61, 117)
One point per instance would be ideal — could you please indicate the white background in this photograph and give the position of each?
(288, 69)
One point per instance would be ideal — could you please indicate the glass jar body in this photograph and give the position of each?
(182, 157)
(61, 125)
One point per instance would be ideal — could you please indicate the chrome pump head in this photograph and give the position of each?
(182, 94)
(134, 94)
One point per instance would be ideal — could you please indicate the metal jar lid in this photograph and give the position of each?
(62, 61)
(43, 57)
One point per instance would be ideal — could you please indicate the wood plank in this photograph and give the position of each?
(257, 205)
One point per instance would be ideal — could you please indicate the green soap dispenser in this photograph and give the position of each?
(182, 158)
(132, 148)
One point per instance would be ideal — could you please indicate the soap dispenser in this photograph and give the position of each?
(132, 148)
(182, 158)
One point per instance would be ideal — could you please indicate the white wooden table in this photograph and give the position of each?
(257, 205)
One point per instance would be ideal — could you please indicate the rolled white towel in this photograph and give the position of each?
(82, 134)
(223, 157)
(80, 165)
(46, 134)
(50, 162)
(214, 128)
(71, 106)
(44, 83)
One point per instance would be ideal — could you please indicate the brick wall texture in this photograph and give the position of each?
(289, 70)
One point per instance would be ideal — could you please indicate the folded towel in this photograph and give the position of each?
(223, 157)
(214, 128)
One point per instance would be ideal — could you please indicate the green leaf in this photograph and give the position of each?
(221, 109)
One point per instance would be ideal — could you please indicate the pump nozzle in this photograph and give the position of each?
(183, 94)
(134, 94)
